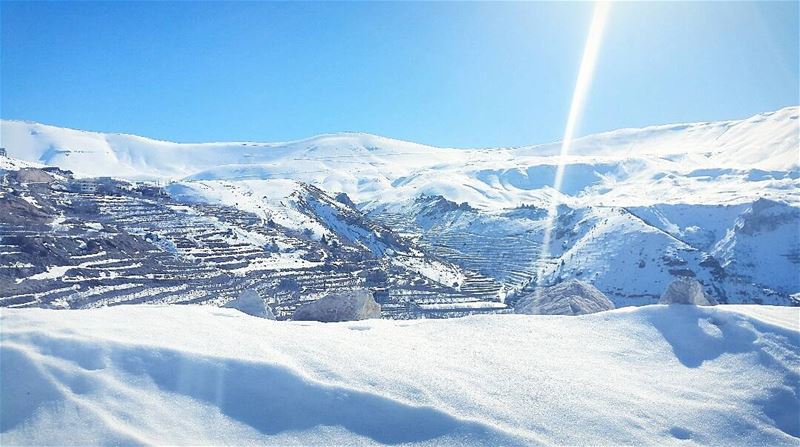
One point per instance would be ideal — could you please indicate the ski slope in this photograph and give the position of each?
(653, 375)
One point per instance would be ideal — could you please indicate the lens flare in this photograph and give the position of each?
(585, 72)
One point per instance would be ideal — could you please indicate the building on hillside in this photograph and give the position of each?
(95, 185)
(83, 185)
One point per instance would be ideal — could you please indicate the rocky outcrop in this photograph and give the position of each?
(251, 303)
(570, 297)
(686, 291)
(16, 210)
(344, 306)
(33, 175)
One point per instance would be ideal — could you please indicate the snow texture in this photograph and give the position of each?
(200, 375)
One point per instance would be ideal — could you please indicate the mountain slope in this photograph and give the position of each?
(640, 207)
(136, 244)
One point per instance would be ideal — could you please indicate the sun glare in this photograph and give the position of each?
(582, 84)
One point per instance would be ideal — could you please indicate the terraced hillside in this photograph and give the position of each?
(433, 231)
(510, 260)
(205, 241)
(137, 244)
(630, 254)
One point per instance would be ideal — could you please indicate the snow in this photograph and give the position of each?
(432, 269)
(654, 375)
(12, 164)
(699, 163)
(763, 244)
(776, 315)
(268, 199)
(30, 200)
(17, 264)
(53, 271)
(647, 202)
(58, 271)
(292, 260)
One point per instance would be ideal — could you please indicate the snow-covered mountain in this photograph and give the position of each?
(626, 252)
(719, 162)
(717, 201)
(133, 243)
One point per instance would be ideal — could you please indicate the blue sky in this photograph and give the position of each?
(448, 74)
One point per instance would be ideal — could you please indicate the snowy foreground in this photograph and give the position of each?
(724, 375)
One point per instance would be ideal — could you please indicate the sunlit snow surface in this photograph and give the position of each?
(653, 375)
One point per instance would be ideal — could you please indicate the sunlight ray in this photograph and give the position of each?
(582, 84)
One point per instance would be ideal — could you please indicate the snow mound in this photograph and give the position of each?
(686, 291)
(571, 297)
(344, 306)
(199, 375)
(251, 303)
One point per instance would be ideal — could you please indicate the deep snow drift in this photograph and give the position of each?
(726, 375)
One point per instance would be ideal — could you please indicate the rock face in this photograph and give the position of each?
(251, 303)
(570, 297)
(686, 291)
(33, 175)
(344, 306)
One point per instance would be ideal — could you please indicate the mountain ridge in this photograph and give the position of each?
(668, 126)
(709, 163)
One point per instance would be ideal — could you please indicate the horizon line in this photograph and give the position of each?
(355, 132)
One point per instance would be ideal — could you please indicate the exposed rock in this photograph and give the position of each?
(15, 210)
(343, 306)
(686, 291)
(570, 297)
(251, 303)
(765, 215)
(33, 175)
(345, 199)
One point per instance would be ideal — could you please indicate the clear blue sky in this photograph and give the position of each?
(448, 74)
